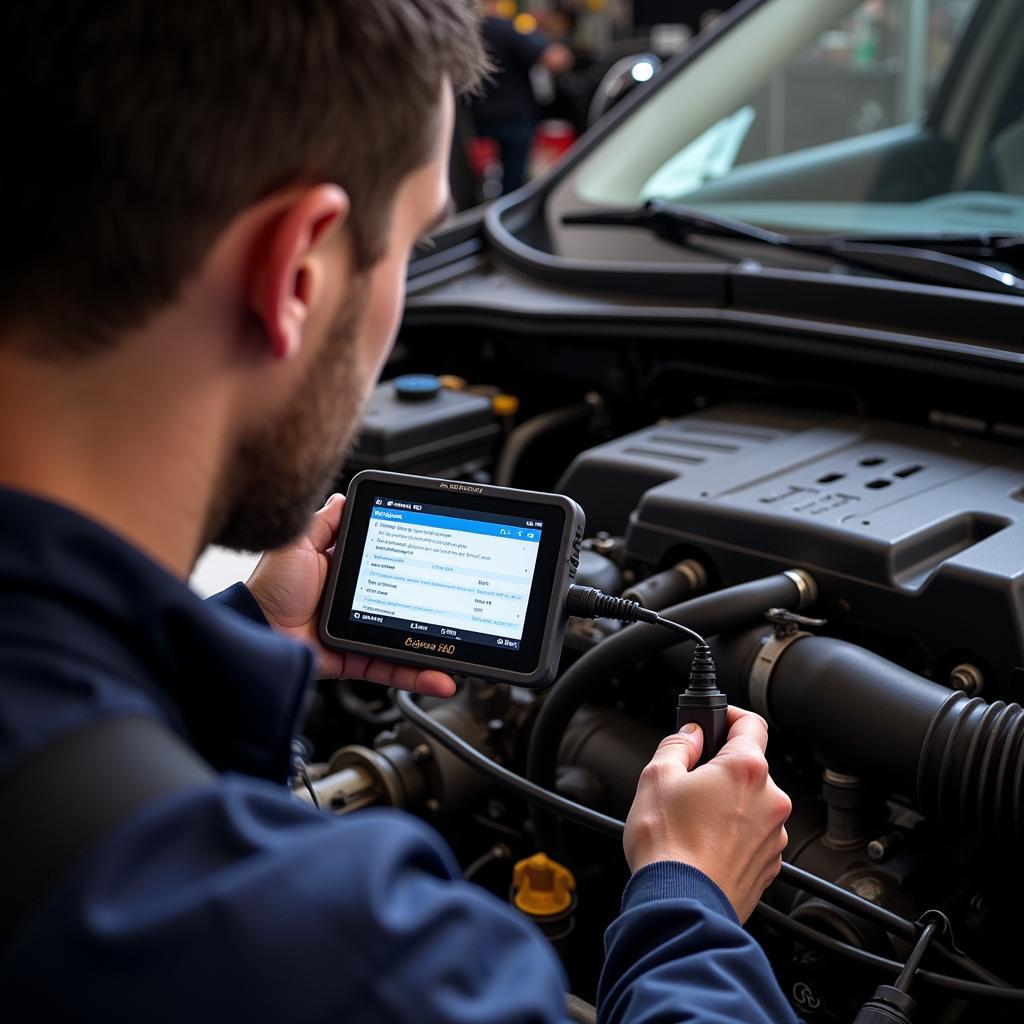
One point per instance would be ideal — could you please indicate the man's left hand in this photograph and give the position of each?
(287, 585)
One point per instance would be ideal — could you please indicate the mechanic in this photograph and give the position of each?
(210, 211)
(505, 109)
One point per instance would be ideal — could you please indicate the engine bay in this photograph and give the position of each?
(859, 579)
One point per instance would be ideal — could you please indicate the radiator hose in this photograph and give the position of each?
(960, 757)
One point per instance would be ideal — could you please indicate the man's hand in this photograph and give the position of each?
(725, 818)
(287, 585)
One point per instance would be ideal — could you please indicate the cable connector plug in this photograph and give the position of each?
(703, 676)
(591, 603)
(704, 704)
(701, 702)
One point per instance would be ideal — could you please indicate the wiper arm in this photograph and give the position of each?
(678, 224)
(984, 245)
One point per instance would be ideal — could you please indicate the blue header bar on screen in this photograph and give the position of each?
(403, 518)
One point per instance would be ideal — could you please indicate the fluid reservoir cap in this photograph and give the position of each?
(542, 887)
(505, 405)
(417, 387)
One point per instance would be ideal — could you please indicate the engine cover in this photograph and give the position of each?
(910, 532)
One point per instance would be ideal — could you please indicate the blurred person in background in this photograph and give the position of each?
(506, 109)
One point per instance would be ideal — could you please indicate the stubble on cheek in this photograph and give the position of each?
(281, 470)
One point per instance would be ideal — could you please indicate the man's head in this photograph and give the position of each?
(264, 166)
(283, 464)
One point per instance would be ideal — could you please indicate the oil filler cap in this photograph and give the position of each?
(542, 887)
(417, 387)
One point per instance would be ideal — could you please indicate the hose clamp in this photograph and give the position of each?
(787, 631)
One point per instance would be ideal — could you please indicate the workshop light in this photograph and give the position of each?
(643, 71)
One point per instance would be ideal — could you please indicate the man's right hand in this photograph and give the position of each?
(725, 818)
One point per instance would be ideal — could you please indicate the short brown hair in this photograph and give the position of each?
(136, 129)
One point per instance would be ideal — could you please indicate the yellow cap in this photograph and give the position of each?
(452, 383)
(505, 405)
(542, 886)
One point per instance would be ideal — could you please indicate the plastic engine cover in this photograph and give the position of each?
(910, 532)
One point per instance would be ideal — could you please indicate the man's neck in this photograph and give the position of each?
(112, 440)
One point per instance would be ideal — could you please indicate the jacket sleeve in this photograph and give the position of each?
(237, 903)
(677, 955)
(238, 598)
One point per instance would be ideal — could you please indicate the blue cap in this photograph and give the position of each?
(415, 387)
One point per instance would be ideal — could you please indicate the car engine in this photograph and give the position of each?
(860, 579)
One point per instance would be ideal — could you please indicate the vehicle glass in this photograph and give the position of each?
(833, 116)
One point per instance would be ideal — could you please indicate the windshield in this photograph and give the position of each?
(882, 117)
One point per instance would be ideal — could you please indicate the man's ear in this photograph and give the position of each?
(286, 271)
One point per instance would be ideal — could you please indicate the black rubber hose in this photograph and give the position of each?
(532, 430)
(962, 759)
(728, 609)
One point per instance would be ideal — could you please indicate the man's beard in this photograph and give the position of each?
(282, 470)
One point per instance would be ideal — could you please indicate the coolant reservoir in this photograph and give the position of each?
(414, 424)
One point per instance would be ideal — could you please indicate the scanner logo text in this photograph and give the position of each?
(416, 643)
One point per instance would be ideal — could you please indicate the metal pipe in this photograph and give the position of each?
(341, 792)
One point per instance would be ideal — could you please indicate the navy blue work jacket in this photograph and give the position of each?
(232, 900)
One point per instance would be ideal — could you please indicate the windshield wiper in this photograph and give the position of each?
(1003, 247)
(678, 224)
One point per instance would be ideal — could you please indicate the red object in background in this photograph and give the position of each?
(483, 157)
(552, 141)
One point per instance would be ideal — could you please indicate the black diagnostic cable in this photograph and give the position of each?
(991, 987)
(701, 703)
(735, 607)
(468, 754)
